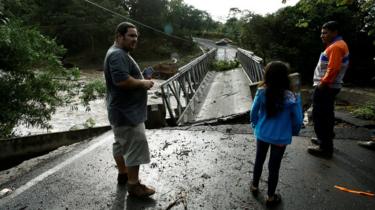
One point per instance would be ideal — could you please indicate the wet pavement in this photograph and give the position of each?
(229, 95)
(203, 167)
(224, 52)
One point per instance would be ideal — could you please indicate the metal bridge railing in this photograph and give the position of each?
(252, 64)
(178, 90)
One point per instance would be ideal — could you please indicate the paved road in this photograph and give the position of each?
(226, 52)
(197, 168)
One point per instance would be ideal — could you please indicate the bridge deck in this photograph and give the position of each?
(229, 95)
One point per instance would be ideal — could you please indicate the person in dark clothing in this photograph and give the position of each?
(328, 80)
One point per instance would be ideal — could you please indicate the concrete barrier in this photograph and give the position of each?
(15, 150)
(28, 146)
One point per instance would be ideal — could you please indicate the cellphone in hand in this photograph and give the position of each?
(147, 72)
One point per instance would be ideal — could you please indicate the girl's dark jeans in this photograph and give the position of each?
(276, 155)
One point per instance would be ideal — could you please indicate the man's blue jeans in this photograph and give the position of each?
(324, 116)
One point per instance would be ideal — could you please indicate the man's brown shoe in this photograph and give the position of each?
(319, 152)
(139, 190)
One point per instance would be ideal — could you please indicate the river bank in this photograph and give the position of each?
(76, 116)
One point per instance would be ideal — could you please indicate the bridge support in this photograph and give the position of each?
(155, 116)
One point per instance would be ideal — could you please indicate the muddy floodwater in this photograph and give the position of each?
(76, 116)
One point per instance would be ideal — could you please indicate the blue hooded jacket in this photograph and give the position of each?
(280, 128)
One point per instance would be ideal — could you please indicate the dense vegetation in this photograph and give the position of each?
(31, 77)
(86, 30)
(38, 36)
(293, 34)
(224, 65)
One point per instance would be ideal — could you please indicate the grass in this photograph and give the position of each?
(366, 111)
(223, 65)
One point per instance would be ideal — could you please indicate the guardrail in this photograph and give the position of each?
(252, 64)
(178, 90)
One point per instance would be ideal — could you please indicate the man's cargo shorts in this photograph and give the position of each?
(131, 142)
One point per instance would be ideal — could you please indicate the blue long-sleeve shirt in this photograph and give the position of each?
(280, 128)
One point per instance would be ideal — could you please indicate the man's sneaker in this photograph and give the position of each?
(315, 141)
(139, 190)
(122, 179)
(319, 152)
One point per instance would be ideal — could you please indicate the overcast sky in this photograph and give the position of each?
(219, 9)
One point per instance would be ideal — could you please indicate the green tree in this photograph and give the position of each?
(187, 20)
(292, 34)
(86, 31)
(368, 9)
(355, 27)
(32, 79)
(76, 24)
(148, 12)
(232, 28)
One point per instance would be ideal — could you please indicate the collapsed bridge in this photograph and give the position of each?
(199, 93)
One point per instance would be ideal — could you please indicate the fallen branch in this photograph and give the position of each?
(181, 198)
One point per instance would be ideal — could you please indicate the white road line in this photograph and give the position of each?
(51, 171)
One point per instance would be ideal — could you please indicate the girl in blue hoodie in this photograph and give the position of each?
(276, 115)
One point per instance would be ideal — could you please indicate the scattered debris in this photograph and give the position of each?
(153, 165)
(184, 153)
(223, 42)
(354, 191)
(181, 199)
(166, 145)
(206, 176)
(4, 192)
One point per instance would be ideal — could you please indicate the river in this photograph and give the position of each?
(75, 115)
